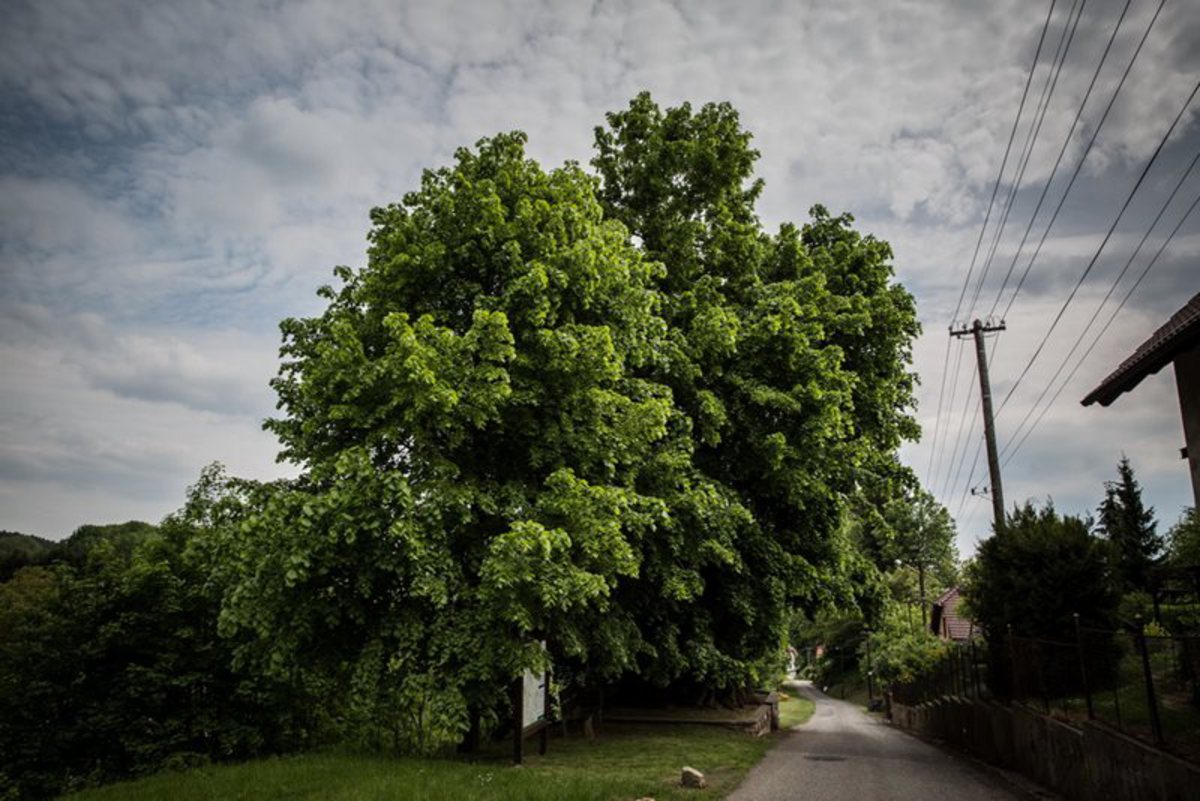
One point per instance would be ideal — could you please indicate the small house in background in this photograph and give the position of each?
(1176, 342)
(945, 620)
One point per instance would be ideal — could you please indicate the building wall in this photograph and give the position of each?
(1187, 380)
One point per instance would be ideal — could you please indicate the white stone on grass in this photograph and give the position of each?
(692, 778)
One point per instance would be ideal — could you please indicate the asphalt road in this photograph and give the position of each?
(842, 754)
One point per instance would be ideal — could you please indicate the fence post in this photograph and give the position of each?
(1087, 688)
(1041, 676)
(1013, 685)
(974, 668)
(1151, 700)
(953, 671)
(517, 692)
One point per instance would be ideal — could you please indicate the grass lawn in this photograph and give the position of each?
(623, 762)
(794, 710)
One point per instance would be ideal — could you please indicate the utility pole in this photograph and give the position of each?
(978, 329)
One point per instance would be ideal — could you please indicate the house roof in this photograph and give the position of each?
(952, 625)
(1179, 334)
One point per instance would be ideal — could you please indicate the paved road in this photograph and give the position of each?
(844, 755)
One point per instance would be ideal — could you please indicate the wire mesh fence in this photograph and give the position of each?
(1144, 684)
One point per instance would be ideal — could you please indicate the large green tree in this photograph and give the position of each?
(789, 351)
(609, 413)
(1129, 525)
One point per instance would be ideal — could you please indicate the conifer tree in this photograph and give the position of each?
(1130, 527)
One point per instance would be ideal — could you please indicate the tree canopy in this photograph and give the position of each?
(1035, 576)
(1184, 539)
(612, 413)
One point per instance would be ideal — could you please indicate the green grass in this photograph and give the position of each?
(794, 710)
(851, 687)
(1128, 710)
(1126, 707)
(623, 762)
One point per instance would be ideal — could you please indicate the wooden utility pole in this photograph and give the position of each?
(978, 329)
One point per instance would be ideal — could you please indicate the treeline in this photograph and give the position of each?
(1033, 579)
(1049, 566)
(909, 542)
(111, 664)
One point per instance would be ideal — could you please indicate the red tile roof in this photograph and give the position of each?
(953, 626)
(1180, 333)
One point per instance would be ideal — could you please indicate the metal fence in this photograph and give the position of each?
(1145, 684)
(963, 672)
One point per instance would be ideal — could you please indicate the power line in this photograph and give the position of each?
(1082, 159)
(970, 476)
(1095, 257)
(1058, 161)
(965, 441)
(950, 413)
(1043, 106)
(1004, 162)
(1035, 128)
(937, 419)
(970, 518)
(987, 216)
(954, 457)
(1187, 214)
(1154, 224)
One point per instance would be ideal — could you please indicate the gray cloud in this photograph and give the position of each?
(182, 175)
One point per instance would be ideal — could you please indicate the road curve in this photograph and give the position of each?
(842, 754)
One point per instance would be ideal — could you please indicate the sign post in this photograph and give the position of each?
(531, 712)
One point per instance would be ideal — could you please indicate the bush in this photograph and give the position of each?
(1034, 576)
(901, 652)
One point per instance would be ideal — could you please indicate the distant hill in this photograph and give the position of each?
(124, 535)
(20, 550)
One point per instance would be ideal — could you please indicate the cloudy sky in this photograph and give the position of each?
(176, 177)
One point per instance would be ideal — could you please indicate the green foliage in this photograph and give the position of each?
(613, 414)
(1184, 540)
(901, 649)
(1032, 579)
(1038, 573)
(923, 536)
(23, 550)
(909, 537)
(836, 634)
(788, 351)
(473, 435)
(1130, 528)
(110, 665)
(120, 538)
